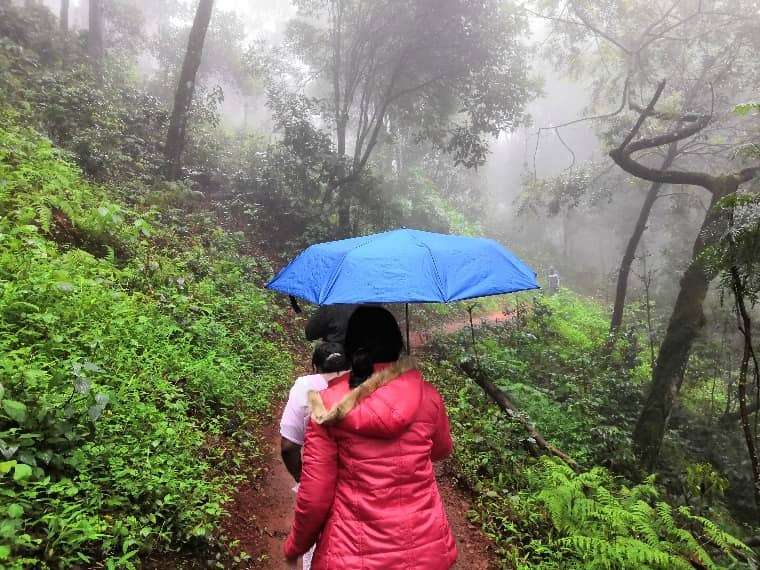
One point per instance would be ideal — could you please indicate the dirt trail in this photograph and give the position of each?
(262, 511)
(418, 339)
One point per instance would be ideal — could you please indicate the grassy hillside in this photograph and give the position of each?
(134, 346)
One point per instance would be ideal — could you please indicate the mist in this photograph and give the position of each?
(587, 375)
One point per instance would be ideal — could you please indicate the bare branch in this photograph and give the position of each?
(556, 130)
(664, 115)
(643, 116)
(622, 154)
(667, 138)
(584, 18)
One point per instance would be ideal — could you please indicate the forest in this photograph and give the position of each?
(161, 160)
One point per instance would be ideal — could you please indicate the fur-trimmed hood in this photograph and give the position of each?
(383, 405)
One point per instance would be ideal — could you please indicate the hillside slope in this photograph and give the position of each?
(134, 349)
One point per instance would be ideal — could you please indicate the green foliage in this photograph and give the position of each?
(553, 362)
(738, 245)
(113, 126)
(600, 524)
(746, 109)
(131, 345)
(555, 366)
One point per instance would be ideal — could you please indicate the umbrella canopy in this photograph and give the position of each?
(403, 266)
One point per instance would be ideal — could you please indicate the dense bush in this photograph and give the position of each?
(131, 345)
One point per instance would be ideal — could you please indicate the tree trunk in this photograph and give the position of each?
(96, 35)
(686, 322)
(345, 189)
(746, 330)
(183, 97)
(64, 17)
(344, 209)
(633, 243)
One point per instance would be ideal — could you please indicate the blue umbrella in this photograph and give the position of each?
(403, 266)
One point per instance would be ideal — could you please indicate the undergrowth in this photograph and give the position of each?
(551, 361)
(133, 345)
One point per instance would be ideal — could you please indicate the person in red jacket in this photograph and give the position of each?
(368, 495)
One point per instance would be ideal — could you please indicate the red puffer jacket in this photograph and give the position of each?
(368, 493)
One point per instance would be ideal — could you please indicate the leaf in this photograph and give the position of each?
(21, 472)
(15, 410)
(746, 108)
(102, 400)
(2, 391)
(95, 412)
(92, 367)
(65, 287)
(82, 385)
(7, 451)
(6, 466)
(15, 511)
(28, 458)
(5, 552)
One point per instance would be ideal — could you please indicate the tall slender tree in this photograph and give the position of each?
(183, 97)
(96, 46)
(64, 16)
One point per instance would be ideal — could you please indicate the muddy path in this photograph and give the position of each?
(418, 339)
(261, 512)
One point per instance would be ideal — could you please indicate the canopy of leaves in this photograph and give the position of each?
(455, 69)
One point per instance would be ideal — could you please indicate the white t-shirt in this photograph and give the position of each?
(295, 418)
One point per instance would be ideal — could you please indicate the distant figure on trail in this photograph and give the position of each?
(368, 496)
(328, 362)
(553, 280)
(329, 322)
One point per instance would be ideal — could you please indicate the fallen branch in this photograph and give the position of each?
(505, 403)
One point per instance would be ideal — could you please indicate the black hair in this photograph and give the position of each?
(329, 357)
(372, 336)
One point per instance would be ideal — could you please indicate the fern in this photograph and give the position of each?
(601, 525)
(717, 536)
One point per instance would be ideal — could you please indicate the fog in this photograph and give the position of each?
(161, 161)
(585, 240)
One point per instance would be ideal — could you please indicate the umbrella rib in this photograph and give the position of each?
(438, 283)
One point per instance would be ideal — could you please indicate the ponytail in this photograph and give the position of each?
(372, 337)
(362, 367)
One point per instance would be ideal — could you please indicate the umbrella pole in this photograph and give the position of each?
(408, 346)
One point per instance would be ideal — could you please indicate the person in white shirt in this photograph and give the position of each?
(328, 362)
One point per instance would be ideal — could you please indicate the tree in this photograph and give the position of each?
(175, 139)
(687, 317)
(64, 18)
(96, 35)
(453, 68)
(736, 257)
(622, 46)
